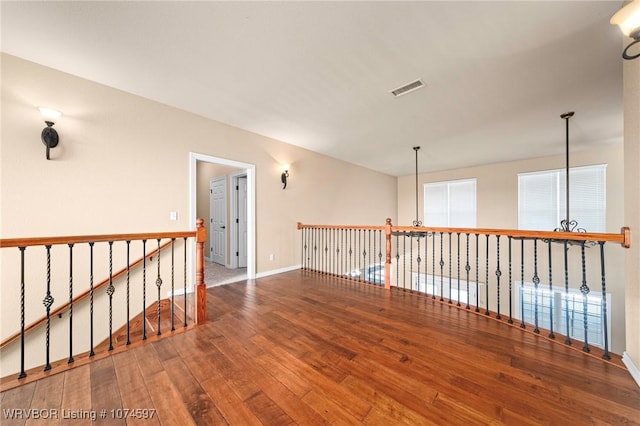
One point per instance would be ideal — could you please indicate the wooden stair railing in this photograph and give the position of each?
(65, 306)
(199, 236)
(372, 254)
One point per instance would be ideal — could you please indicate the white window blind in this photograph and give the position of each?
(542, 199)
(450, 204)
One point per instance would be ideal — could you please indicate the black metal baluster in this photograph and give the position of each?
(379, 257)
(404, 261)
(419, 260)
(397, 260)
(110, 290)
(433, 265)
(486, 283)
(442, 268)
(173, 240)
(551, 334)
(411, 261)
(567, 339)
(144, 288)
(477, 273)
(467, 268)
(314, 257)
(22, 374)
(48, 301)
(450, 268)
(510, 285)
(458, 276)
(371, 255)
(350, 252)
(584, 289)
(302, 252)
(498, 275)
(159, 285)
(604, 303)
(536, 282)
(184, 294)
(327, 234)
(70, 360)
(522, 324)
(128, 289)
(91, 353)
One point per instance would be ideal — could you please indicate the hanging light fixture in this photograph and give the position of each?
(567, 224)
(628, 19)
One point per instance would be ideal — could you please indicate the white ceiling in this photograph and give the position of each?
(318, 74)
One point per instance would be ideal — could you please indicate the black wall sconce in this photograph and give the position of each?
(49, 136)
(284, 176)
(628, 19)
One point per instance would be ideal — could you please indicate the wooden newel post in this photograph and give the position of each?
(387, 263)
(201, 288)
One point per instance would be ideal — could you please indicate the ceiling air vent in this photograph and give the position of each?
(410, 87)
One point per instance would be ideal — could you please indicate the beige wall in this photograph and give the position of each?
(123, 164)
(497, 207)
(632, 206)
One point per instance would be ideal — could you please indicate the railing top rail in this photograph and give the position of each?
(365, 227)
(623, 238)
(78, 239)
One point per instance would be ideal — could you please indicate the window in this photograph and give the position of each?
(542, 199)
(559, 306)
(450, 204)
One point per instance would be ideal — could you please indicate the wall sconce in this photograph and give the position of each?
(628, 19)
(49, 135)
(284, 176)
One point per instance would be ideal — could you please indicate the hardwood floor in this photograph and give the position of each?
(299, 348)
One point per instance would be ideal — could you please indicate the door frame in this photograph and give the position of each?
(233, 246)
(250, 170)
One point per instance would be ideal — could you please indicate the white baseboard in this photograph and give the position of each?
(633, 369)
(278, 271)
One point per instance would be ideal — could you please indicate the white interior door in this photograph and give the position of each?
(242, 222)
(218, 219)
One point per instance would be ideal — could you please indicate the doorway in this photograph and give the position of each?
(218, 220)
(245, 178)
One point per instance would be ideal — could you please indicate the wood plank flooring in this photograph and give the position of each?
(300, 348)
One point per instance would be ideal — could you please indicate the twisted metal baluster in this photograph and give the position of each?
(173, 327)
(477, 273)
(411, 261)
(458, 276)
(184, 294)
(433, 266)
(47, 302)
(22, 374)
(442, 269)
(397, 260)
(158, 284)
(110, 290)
(450, 262)
(91, 353)
(467, 268)
(128, 294)
(551, 334)
(144, 289)
(604, 303)
(498, 275)
(486, 285)
(584, 289)
(510, 284)
(536, 282)
(522, 324)
(70, 360)
(419, 260)
(379, 255)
